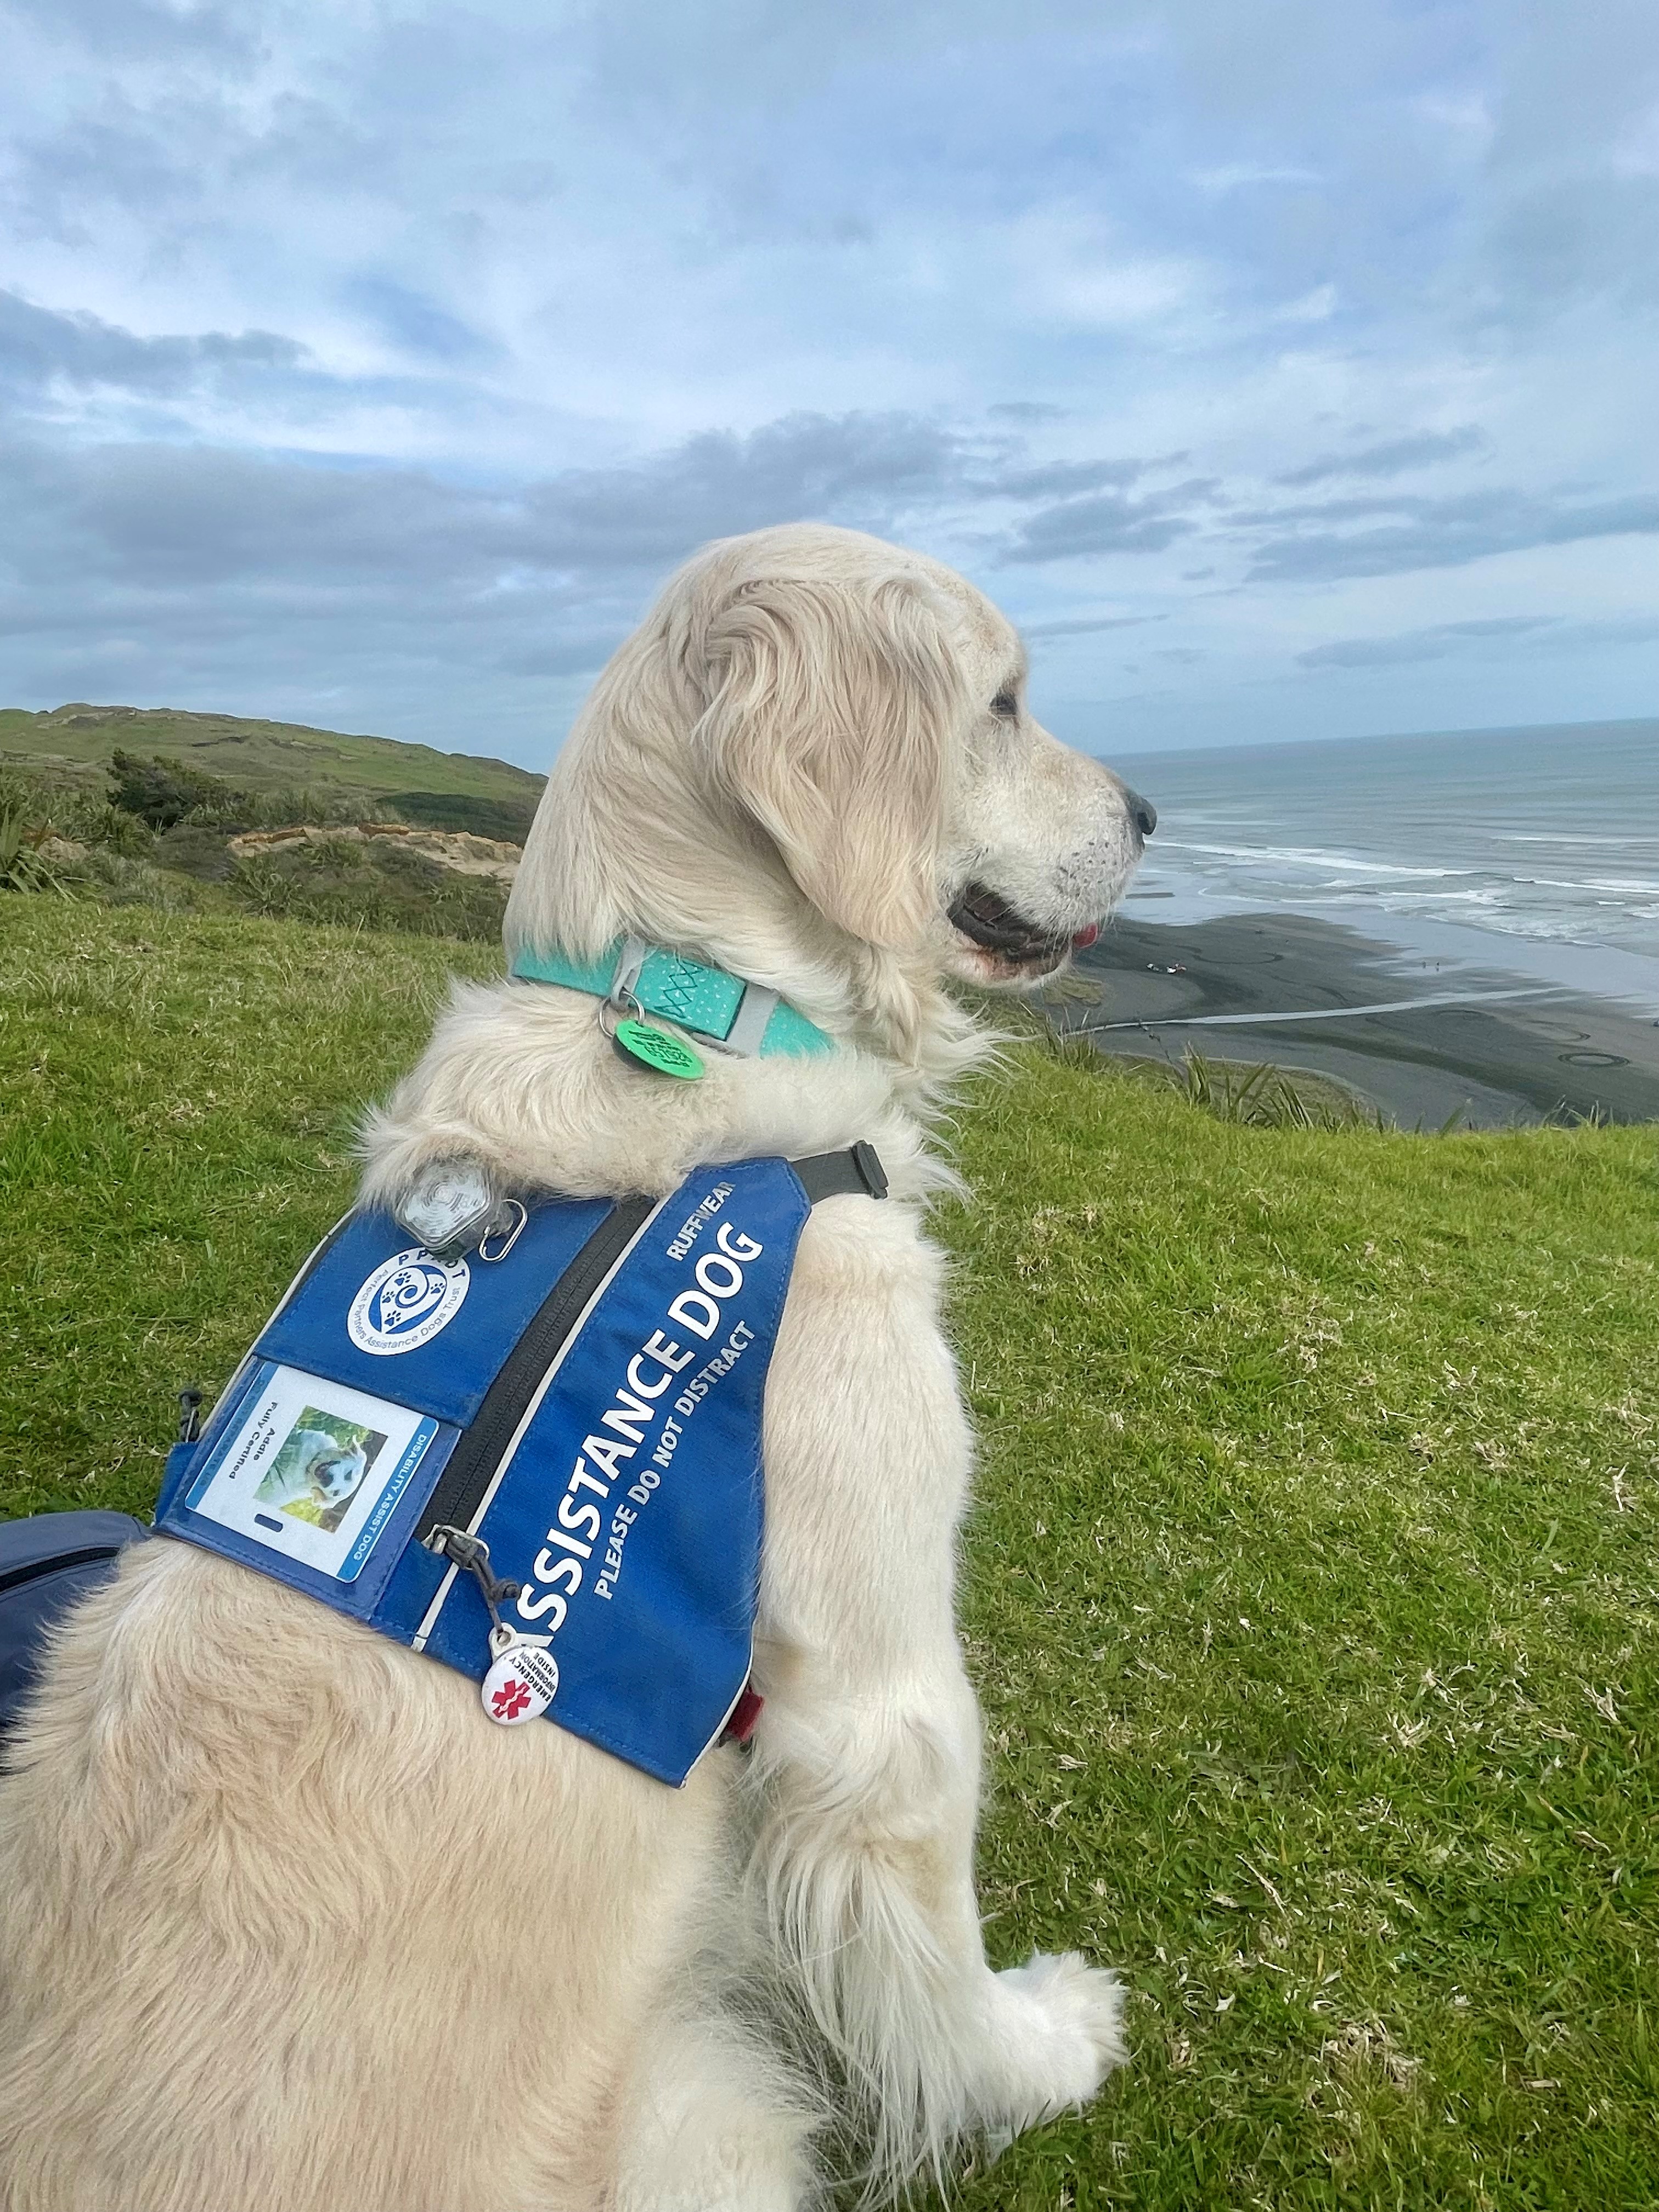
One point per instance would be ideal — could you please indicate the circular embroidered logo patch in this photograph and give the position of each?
(405, 1302)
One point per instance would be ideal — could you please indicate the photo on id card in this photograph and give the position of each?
(311, 1469)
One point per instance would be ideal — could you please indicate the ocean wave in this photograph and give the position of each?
(1583, 927)
(1566, 837)
(1302, 856)
(1628, 886)
(1403, 902)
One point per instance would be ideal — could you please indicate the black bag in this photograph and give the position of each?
(45, 1564)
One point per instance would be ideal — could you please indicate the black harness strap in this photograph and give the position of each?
(856, 1173)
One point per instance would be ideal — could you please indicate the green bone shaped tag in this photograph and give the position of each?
(654, 1049)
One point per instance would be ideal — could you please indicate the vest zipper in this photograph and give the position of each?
(16, 1577)
(460, 1488)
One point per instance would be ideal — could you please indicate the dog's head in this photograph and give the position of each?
(334, 1471)
(811, 719)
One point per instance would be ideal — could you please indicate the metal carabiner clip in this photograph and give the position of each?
(509, 1206)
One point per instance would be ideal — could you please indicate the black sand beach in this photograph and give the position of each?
(1495, 1045)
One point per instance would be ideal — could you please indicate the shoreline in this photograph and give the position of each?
(1421, 1035)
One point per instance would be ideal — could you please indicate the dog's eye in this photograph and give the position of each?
(1005, 707)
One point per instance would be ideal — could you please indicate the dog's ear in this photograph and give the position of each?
(830, 713)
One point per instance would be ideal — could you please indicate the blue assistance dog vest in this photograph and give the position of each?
(588, 1407)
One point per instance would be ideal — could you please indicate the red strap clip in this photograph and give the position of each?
(744, 1714)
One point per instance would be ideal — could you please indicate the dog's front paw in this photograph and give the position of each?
(1056, 2033)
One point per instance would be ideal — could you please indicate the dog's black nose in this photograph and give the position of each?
(1142, 813)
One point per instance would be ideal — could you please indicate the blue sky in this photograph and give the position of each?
(1285, 367)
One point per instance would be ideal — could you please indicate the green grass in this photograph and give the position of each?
(179, 1092)
(1313, 1596)
(463, 791)
(1311, 1593)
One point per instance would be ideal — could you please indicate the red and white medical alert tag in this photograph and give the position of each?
(521, 1684)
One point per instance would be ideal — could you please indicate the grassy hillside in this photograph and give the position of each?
(75, 742)
(1310, 1593)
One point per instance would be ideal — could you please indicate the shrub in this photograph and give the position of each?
(117, 879)
(378, 885)
(23, 865)
(292, 806)
(162, 791)
(1269, 1098)
(107, 828)
(508, 819)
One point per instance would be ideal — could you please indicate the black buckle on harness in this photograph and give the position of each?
(871, 1174)
(856, 1173)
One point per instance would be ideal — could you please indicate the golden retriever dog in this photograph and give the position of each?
(288, 1925)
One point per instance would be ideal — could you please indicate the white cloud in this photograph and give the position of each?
(351, 342)
(1315, 306)
(1235, 176)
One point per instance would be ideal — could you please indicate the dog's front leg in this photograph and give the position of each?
(867, 1754)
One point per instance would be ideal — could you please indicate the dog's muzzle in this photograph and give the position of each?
(986, 918)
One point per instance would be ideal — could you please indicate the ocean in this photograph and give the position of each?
(1506, 848)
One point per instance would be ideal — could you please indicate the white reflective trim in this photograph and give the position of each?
(626, 974)
(749, 1024)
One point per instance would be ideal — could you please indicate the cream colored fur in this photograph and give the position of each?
(288, 1926)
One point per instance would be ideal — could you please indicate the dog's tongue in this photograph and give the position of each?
(1085, 937)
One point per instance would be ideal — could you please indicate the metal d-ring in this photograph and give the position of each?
(617, 1006)
(494, 1228)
